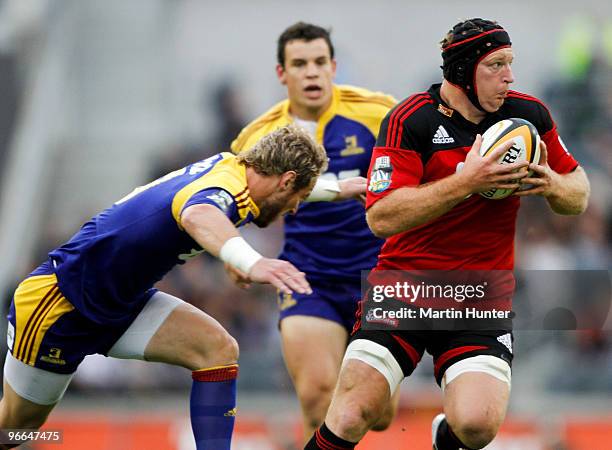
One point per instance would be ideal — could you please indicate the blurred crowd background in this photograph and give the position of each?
(100, 96)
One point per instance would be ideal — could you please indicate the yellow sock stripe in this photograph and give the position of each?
(216, 368)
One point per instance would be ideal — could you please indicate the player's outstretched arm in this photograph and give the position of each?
(409, 207)
(216, 234)
(566, 194)
(331, 190)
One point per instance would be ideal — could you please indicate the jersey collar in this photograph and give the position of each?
(325, 118)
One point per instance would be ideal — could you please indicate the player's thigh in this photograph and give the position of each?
(172, 331)
(18, 412)
(313, 348)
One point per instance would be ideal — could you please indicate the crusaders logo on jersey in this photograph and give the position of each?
(380, 179)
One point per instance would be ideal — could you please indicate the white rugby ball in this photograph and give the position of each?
(526, 147)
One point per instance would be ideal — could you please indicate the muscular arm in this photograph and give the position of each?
(570, 195)
(409, 207)
(208, 226)
(567, 194)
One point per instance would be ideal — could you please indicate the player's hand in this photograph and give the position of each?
(482, 173)
(280, 274)
(354, 187)
(543, 180)
(239, 278)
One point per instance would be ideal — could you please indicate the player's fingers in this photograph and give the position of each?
(537, 168)
(279, 284)
(506, 186)
(534, 181)
(512, 176)
(296, 280)
(543, 153)
(477, 143)
(518, 167)
(497, 152)
(298, 283)
(531, 191)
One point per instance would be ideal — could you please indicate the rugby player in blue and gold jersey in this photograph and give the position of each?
(328, 238)
(95, 293)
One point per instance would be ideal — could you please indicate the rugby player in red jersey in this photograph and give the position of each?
(424, 169)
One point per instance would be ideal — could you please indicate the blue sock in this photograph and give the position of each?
(213, 406)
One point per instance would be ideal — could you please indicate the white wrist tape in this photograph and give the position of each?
(324, 191)
(238, 253)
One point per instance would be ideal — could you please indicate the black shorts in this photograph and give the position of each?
(446, 347)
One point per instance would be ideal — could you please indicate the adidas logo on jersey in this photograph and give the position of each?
(442, 137)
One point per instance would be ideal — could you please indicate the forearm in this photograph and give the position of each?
(208, 226)
(570, 193)
(410, 207)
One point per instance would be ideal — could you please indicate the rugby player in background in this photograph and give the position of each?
(328, 238)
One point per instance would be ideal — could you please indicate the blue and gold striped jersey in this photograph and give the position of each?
(331, 239)
(107, 269)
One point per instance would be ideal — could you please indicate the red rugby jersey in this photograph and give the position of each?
(422, 140)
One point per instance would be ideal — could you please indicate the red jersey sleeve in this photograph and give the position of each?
(390, 169)
(559, 158)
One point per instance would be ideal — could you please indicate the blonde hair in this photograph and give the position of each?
(288, 148)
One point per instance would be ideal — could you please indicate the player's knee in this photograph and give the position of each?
(356, 418)
(384, 421)
(475, 430)
(219, 349)
(315, 398)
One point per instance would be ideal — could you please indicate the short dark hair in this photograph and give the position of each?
(304, 31)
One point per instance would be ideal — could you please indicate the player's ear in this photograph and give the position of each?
(334, 67)
(287, 180)
(281, 74)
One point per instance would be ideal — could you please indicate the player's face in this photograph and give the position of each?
(308, 74)
(279, 204)
(493, 79)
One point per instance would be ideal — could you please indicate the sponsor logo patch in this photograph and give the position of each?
(222, 199)
(54, 357)
(371, 318)
(446, 111)
(380, 179)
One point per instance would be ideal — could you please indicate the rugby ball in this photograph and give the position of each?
(526, 147)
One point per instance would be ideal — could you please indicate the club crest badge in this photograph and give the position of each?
(380, 178)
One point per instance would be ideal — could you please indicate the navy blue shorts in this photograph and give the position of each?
(335, 301)
(46, 331)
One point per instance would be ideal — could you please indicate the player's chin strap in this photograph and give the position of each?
(461, 57)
